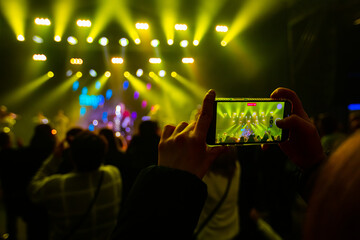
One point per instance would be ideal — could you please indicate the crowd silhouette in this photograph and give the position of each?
(168, 184)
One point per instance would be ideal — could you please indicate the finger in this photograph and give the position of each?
(292, 122)
(168, 130)
(292, 96)
(206, 114)
(179, 128)
(190, 127)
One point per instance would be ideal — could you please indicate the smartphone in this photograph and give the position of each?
(248, 121)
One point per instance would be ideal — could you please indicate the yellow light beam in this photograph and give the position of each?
(250, 12)
(62, 11)
(104, 13)
(140, 86)
(207, 11)
(26, 90)
(168, 14)
(195, 89)
(124, 18)
(15, 12)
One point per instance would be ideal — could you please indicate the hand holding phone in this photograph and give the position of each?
(246, 121)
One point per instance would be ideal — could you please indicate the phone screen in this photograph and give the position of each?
(249, 122)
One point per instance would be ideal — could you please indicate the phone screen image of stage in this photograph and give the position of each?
(248, 122)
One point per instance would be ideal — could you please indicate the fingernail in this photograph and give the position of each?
(211, 92)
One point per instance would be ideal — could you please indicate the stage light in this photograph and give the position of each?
(117, 60)
(173, 74)
(107, 74)
(139, 72)
(137, 41)
(354, 107)
(89, 39)
(223, 43)
(20, 38)
(42, 21)
(143, 104)
(126, 85)
(53, 132)
(72, 40)
(93, 73)
(155, 43)
(170, 42)
(188, 60)
(79, 74)
(95, 122)
(117, 134)
(98, 85)
(82, 111)
(37, 39)
(50, 74)
(152, 74)
(221, 28)
(123, 42)
(180, 27)
(142, 26)
(39, 57)
(162, 73)
(155, 60)
(57, 38)
(184, 43)
(103, 41)
(69, 73)
(83, 23)
(126, 74)
(196, 42)
(6, 129)
(136, 95)
(148, 86)
(75, 86)
(76, 61)
(108, 94)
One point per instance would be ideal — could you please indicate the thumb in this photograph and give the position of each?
(291, 122)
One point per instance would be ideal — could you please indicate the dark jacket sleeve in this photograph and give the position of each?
(164, 203)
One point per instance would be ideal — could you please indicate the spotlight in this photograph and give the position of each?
(143, 26)
(162, 73)
(89, 39)
(126, 85)
(75, 85)
(95, 122)
(107, 74)
(139, 72)
(220, 28)
(155, 43)
(20, 38)
(155, 60)
(103, 41)
(39, 57)
(180, 27)
(152, 74)
(126, 74)
(83, 23)
(188, 60)
(50, 74)
(196, 42)
(42, 21)
(123, 42)
(93, 73)
(137, 41)
(108, 94)
(57, 38)
(76, 61)
(136, 95)
(117, 60)
(37, 39)
(223, 43)
(72, 40)
(79, 74)
(184, 43)
(143, 104)
(170, 42)
(148, 86)
(69, 73)
(98, 85)
(174, 74)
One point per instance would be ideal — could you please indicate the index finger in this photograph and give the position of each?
(204, 121)
(292, 96)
